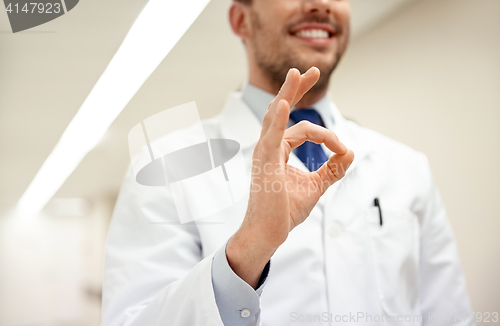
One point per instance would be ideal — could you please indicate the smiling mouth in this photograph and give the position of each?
(315, 34)
(318, 34)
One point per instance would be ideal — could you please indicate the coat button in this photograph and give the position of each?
(245, 313)
(335, 230)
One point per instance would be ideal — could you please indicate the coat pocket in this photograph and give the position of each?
(395, 252)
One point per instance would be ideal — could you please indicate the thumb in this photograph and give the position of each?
(335, 169)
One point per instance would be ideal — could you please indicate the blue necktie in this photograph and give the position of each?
(311, 154)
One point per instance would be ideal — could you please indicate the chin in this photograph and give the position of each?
(325, 66)
(323, 61)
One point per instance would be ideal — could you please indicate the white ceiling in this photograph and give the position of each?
(47, 72)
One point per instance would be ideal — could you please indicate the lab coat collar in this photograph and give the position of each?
(239, 123)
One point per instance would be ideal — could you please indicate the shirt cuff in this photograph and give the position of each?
(237, 301)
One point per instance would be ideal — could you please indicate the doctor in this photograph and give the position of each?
(357, 232)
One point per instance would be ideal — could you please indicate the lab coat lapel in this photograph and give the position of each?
(239, 123)
(350, 134)
(353, 137)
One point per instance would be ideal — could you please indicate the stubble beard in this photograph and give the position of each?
(277, 68)
(276, 64)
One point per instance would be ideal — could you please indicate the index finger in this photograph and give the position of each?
(307, 81)
(291, 91)
(287, 93)
(297, 134)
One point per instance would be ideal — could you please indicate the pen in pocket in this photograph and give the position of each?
(376, 201)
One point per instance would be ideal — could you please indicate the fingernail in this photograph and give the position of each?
(288, 74)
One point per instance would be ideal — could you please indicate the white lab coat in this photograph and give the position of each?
(340, 262)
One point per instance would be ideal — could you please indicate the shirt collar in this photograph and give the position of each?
(258, 100)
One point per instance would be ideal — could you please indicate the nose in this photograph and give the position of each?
(319, 7)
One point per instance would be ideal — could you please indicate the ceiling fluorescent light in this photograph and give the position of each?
(155, 32)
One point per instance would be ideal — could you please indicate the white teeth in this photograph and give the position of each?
(312, 33)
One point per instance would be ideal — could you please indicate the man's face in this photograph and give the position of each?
(298, 33)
